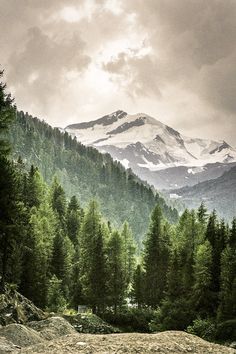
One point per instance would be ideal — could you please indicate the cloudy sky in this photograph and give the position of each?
(69, 61)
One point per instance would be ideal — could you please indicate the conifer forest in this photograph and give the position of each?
(77, 228)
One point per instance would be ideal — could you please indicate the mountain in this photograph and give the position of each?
(219, 194)
(149, 147)
(86, 173)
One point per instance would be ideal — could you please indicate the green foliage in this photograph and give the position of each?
(58, 202)
(138, 287)
(7, 113)
(117, 281)
(92, 260)
(87, 174)
(155, 260)
(11, 207)
(61, 264)
(172, 315)
(129, 252)
(130, 320)
(204, 328)
(227, 307)
(56, 301)
(202, 297)
(57, 254)
(74, 218)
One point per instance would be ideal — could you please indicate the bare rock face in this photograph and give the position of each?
(170, 342)
(15, 308)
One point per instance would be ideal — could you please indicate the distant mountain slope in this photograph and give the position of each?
(85, 172)
(181, 176)
(219, 194)
(148, 147)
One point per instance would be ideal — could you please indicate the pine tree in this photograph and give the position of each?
(73, 220)
(156, 253)
(39, 241)
(56, 301)
(227, 306)
(174, 276)
(137, 293)
(232, 235)
(117, 271)
(35, 188)
(129, 252)
(11, 207)
(202, 297)
(58, 202)
(92, 260)
(217, 238)
(202, 213)
(7, 113)
(61, 263)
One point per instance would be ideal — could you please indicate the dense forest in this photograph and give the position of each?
(59, 253)
(86, 173)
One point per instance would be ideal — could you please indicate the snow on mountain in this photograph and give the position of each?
(149, 143)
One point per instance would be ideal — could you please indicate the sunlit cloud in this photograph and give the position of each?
(75, 60)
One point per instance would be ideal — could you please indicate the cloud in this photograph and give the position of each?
(40, 67)
(193, 53)
(71, 60)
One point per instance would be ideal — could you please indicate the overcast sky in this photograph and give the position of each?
(69, 61)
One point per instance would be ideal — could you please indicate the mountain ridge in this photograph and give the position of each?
(85, 172)
(218, 193)
(146, 145)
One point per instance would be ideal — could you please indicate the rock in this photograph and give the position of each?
(8, 347)
(52, 327)
(15, 308)
(20, 335)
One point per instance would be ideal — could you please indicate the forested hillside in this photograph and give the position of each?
(60, 254)
(86, 173)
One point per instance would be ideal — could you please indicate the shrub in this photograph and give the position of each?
(131, 319)
(175, 315)
(204, 328)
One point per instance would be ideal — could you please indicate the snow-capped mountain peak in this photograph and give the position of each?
(141, 141)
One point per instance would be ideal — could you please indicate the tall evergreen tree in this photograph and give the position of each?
(73, 220)
(117, 270)
(61, 264)
(11, 207)
(138, 287)
(215, 233)
(35, 188)
(129, 252)
(202, 298)
(156, 253)
(58, 201)
(227, 306)
(92, 259)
